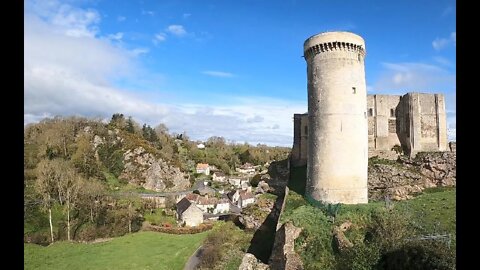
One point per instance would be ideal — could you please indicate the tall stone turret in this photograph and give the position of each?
(337, 118)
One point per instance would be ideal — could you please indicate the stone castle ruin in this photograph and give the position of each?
(344, 125)
(415, 122)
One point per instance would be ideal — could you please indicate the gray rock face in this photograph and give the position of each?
(249, 262)
(409, 176)
(142, 168)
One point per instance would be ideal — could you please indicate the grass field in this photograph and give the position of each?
(142, 250)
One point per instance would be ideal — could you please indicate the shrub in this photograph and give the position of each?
(419, 255)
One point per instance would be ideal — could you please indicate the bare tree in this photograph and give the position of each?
(45, 185)
(69, 186)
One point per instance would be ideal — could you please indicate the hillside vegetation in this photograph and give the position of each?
(81, 175)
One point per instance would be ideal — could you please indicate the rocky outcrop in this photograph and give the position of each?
(339, 237)
(283, 254)
(142, 168)
(249, 262)
(402, 179)
(254, 215)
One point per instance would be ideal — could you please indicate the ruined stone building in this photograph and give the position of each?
(415, 122)
(344, 126)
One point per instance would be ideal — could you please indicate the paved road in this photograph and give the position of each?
(194, 260)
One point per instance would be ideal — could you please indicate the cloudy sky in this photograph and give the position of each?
(222, 68)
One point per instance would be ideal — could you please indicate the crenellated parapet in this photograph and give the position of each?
(335, 45)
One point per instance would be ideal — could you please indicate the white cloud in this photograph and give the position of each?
(177, 30)
(67, 75)
(121, 18)
(160, 37)
(441, 43)
(221, 74)
(70, 20)
(139, 51)
(255, 119)
(117, 36)
(405, 77)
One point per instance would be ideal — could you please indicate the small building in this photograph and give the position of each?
(192, 197)
(206, 204)
(188, 213)
(235, 181)
(222, 206)
(203, 168)
(246, 197)
(219, 176)
(233, 196)
(246, 168)
(201, 146)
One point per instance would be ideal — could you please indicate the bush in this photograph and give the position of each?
(181, 230)
(419, 255)
(39, 238)
(359, 257)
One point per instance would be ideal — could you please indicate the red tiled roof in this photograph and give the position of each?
(202, 165)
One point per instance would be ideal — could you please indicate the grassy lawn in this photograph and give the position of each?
(142, 250)
(159, 217)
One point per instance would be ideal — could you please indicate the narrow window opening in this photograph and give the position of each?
(370, 112)
(392, 112)
(354, 90)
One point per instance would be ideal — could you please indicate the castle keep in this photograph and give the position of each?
(337, 121)
(344, 126)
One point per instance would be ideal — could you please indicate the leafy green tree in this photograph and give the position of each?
(130, 125)
(84, 157)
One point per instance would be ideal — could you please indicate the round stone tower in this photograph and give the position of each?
(337, 118)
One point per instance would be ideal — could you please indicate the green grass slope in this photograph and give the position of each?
(142, 250)
(431, 213)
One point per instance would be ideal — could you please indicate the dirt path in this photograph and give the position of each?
(194, 260)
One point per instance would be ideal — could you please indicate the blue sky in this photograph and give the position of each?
(222, 68)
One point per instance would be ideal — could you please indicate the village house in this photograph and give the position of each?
(241, 198)
(203, 168)
(246, 197)
(209, 204)
(246, 168)
(223, 206)
(219, 176)
(233, 196)
(201, 146)
(237, 182)
(234, 181)
(188, 213)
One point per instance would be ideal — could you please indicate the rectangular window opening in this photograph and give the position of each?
(354, 90)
